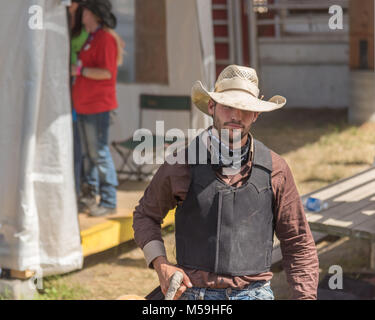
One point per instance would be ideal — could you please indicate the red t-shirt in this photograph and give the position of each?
(95, 96)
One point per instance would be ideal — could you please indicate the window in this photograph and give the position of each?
(125, 14)
(142, 24)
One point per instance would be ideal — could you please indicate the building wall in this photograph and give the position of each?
(301, 59)
(308, 74)
(185, 66)
(306, 61)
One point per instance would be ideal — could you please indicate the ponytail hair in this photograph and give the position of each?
(120, 46)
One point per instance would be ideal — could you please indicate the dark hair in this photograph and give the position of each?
(77, 29)
(103, 10)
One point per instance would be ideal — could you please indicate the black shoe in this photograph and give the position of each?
(85, 204)
(87, 199)
(99, 211)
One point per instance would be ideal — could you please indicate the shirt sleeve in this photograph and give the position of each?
(107, 53)
(300, 259)
(167, 188)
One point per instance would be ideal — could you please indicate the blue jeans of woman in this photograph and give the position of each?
(98, 167)
(77, 156)
(258, 290)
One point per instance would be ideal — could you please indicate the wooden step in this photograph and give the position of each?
(220, 22)
(219, 7)
(16, 274)
(221, 40)
(222, 62)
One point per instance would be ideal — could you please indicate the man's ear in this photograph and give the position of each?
(256, 115)
(211, 107)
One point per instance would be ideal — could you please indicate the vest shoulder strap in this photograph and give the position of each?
(262, 155)
(196, 152)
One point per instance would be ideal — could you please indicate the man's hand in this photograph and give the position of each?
(165, 271)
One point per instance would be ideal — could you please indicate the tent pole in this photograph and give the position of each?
(253, 41)
(238, 31)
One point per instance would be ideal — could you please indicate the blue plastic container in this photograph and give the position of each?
(315, 204)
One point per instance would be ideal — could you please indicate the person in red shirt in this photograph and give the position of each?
(94, 96)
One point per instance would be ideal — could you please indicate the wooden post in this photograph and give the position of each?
(362, 76)
(361, 20)
(16, 274)
(151, 41)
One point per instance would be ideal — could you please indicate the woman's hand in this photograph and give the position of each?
(165, 271)
(73, 70)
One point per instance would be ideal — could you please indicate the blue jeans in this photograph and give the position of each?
(98, 167)
(258, 290)
(77, 156)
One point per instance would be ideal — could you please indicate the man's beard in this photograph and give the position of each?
(224, 155)
(231, 139)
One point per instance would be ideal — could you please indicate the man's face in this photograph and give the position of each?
(238, 122)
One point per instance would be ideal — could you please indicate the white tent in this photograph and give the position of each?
(38, 216)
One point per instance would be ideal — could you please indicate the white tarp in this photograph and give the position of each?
(38, 215)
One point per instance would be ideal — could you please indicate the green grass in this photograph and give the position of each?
(319, 145)
(6, 295)
(56, 288)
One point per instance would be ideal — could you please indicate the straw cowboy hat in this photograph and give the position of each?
(235, 87)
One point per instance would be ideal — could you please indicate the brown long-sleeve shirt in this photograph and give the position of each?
(169, 188)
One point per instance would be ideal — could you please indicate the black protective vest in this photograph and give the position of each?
(227, 230)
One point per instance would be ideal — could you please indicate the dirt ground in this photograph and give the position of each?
(127, 273)
(319, 146)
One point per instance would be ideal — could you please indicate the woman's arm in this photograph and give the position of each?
(92, 73)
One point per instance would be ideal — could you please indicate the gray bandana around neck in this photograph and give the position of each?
(224, 157)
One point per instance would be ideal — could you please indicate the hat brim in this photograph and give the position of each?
(238, 99)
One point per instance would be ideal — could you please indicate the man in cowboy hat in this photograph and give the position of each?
(230, 206)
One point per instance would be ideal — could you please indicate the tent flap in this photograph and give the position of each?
(38, 215)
